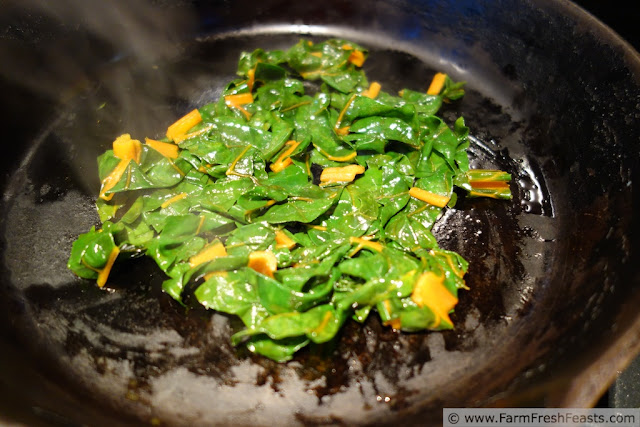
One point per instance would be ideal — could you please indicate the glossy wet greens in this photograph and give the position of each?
(296, 206)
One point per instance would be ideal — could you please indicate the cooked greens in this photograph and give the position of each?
(293, 210)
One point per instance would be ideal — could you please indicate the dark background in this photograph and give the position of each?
(624, 20)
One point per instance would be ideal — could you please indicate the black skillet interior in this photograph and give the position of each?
(549, 271)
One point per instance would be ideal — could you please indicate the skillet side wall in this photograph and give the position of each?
(584, 129)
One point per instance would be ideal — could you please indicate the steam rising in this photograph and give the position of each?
(100, 64)
(53, 44)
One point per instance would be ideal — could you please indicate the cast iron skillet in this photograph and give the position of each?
(550, 318)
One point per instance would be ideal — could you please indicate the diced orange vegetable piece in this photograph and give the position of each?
(373, 91)
(183, 124)
(284, 241)
(263, 262)
(430, 291)
(208, 253)
(341, 174)
(126, 148)
(429, 197)
(437, 84)
(104, 273)
(356, 58)
(166, 149)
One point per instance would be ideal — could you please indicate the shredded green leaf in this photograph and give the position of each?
(297, 211)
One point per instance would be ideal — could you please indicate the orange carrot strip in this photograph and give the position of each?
(238, 99)
(489, 184)
(340, 174)
(264, 262)
(104, 273)
(430, 291)
(437, 84)
(179, 138)
(284, 241)
(280, 164)
(208, 253)
(112, 179)
(173, 200)
(164, 148)
(318, 227)
(373, 91)
(284, 160)
(356, 58)
(183, 124)
(251, 78)
(429, 197)
(126, 149)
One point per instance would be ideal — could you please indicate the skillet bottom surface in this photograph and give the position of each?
(133, 351)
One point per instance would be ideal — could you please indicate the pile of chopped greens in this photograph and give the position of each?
(295, 211)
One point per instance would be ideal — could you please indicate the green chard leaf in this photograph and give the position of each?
(241, 211)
